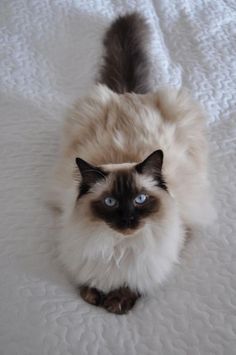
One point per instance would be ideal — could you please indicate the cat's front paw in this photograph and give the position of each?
(92, 295)
(120, 301)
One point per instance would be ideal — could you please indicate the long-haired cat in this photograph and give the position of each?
(132, 176)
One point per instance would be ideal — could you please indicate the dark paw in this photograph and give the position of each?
(120, 301)
(92, 295)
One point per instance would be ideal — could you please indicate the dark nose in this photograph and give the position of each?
(128, 220)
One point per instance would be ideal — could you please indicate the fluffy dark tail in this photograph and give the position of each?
(126, 64)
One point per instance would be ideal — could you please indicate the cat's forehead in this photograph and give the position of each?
(123, 183)
(123, 179)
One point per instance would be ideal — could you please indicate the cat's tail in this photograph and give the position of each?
(126, 64)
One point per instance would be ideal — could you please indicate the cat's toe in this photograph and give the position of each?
(116, 302)
(91, 295)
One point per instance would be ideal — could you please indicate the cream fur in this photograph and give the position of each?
(116, 131)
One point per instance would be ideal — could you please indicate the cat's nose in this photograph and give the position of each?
(127, 220)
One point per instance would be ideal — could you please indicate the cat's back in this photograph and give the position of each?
(107, 128)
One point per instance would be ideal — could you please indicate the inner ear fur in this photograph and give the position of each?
(152, 164)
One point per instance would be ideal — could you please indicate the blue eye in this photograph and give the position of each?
(140, 199)
(110, 201)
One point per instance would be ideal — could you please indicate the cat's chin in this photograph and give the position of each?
(129, 232)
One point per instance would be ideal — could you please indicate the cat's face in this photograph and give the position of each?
(124, 197)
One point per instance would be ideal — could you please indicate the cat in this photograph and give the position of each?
(131, 177)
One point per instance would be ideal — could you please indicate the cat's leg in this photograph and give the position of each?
(92, 295)
(120, 301)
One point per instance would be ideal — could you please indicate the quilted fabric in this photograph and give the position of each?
(49, 56)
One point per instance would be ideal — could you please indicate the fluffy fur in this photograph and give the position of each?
(126, 63)
(115, 132)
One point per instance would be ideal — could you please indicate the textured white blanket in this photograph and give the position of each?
(49, 55)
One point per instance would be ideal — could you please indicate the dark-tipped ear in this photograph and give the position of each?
(152, 165)
(90, 174)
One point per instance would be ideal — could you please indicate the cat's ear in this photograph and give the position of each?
(90, 173)
(152, 164)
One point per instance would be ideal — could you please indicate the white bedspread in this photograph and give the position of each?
(49, 55)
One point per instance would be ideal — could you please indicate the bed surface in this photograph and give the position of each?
(49, 56)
